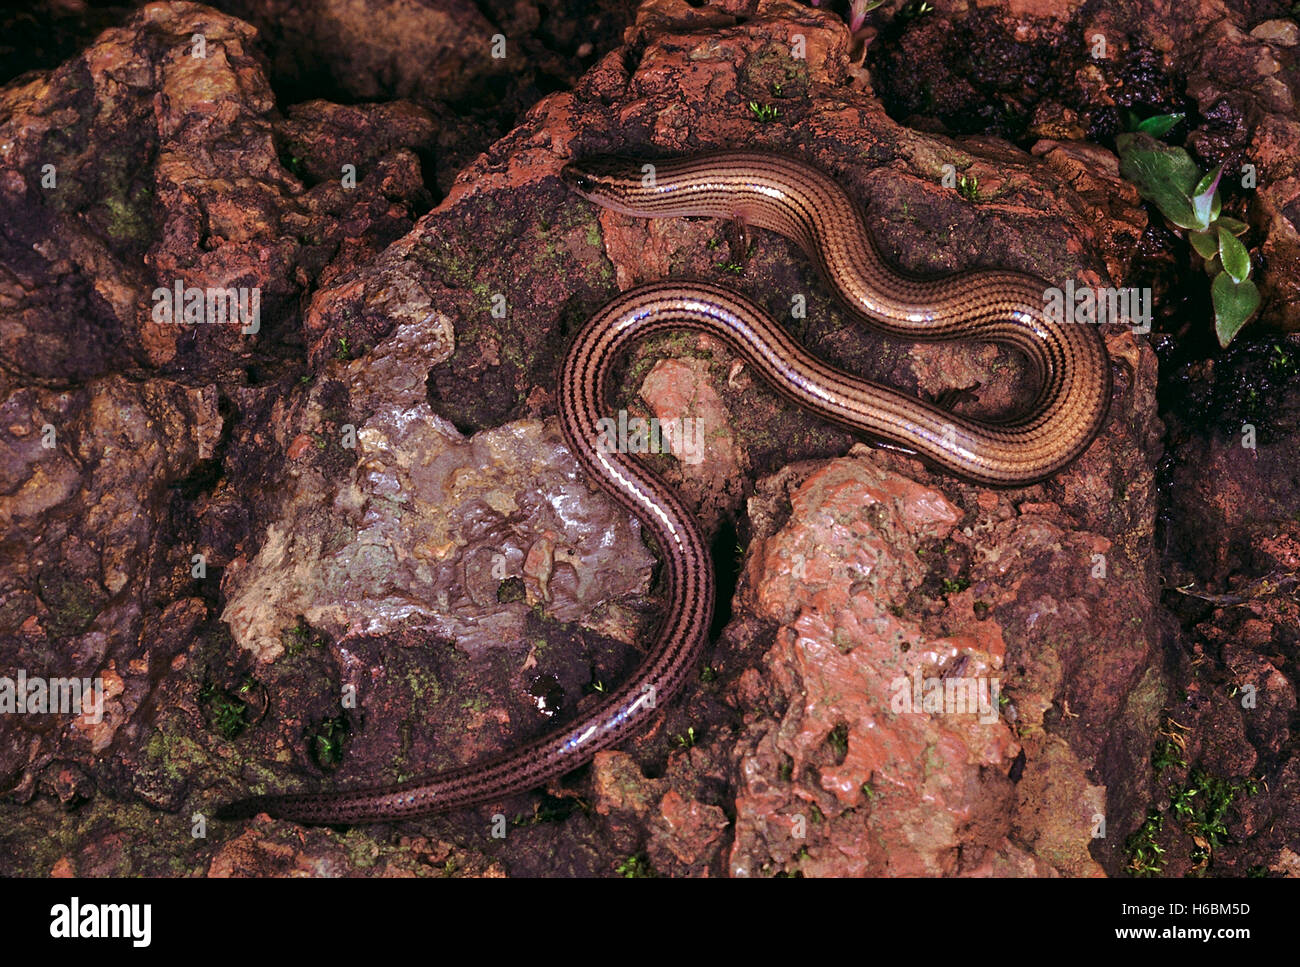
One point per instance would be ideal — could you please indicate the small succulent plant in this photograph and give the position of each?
(1167, 177)
(858, 10)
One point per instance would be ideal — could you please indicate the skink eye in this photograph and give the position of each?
(584, 183)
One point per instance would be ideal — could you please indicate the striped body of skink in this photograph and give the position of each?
(805, 205)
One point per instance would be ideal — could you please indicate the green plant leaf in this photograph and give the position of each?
(1146, 156)
(1236, 260)
(1233, 225)
(1208, 183)
(1182, 214)
(1159, 125)
(1234, 303)
(1206, 245)
(1205, 197)
(1164, 175)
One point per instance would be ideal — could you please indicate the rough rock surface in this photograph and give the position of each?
(1232, 537)
(143, 162)
(350, 546)
(425, 529)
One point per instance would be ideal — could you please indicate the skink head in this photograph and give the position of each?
(609, 181)
(708, 185)
(582, 182)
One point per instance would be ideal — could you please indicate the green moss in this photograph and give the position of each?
(773, 69)
(635, 867)
(325, 744)
(670, 345)
(785, 770)
(176, 756)
(1167, 754)
(125, 221)
(839, 741)
(1199, 807)
(73, 604)
(931, 762)
(299, 637)
(1146, 855)
(363, 852)
(425, 689)
(40, 835)
(226, 713)
(511, 590)
(1204, 805)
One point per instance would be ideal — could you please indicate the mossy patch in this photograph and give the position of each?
(73, 604)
